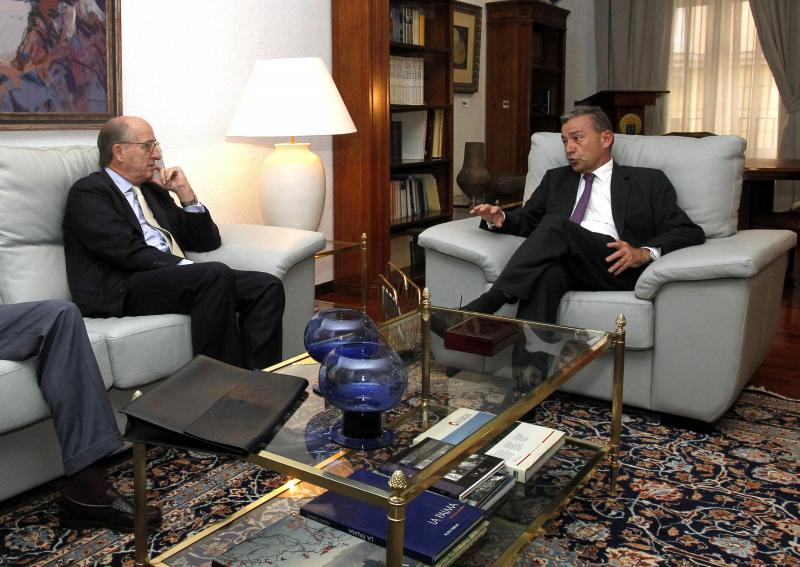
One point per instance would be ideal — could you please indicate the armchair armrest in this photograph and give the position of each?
(741, 255)
(463, 239)
(270, 249)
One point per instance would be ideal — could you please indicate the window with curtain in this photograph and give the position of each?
(719, 81)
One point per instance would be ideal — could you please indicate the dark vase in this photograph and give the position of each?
(473, 179)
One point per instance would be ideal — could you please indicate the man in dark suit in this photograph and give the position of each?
(72, 386)
(124, 238)
(593, 225)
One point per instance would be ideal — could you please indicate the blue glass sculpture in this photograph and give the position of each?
(334, 327)
(363, 380)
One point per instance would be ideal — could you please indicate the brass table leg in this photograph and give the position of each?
(396, 515)
(140, 504)
(363, 272)
(425, 313)
(616, 398)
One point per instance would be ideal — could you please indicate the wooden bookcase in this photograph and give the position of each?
(525, 63)
(362, 167)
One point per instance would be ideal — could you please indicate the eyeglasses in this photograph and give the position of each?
(149, 145)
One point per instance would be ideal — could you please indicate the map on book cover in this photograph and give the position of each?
(296, 540)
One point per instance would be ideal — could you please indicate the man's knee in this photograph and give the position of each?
(216, 273)
(273, 286)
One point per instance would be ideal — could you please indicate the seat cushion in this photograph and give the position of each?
(706, 172)
(599, 309)
(34, 183)
(21, 400)
(144, 348)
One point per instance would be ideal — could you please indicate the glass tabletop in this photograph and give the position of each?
(497, 365)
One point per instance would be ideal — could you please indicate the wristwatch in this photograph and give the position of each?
(649, 251)
(195, 201)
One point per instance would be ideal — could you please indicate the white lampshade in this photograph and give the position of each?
(291, 97)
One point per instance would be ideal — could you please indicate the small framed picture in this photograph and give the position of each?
(466, 46)
(59, 64)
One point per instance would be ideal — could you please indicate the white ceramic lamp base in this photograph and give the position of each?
(293, 187)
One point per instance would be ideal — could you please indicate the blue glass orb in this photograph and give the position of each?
(363, 379)
(331, 328)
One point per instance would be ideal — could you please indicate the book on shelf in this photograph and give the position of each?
(412, 196)
(396, 141)
(439, 523)
(489, 492)
(458, 483)
(400, 251)
(481, 335)
(527, 448)
(412, 134)
(457, 426)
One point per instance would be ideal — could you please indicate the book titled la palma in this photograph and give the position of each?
(434, 523)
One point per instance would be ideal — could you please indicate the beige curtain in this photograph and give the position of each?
(719, 81)
(778, 26)
(633, 38)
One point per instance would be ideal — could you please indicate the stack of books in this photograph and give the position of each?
(441, 525)
(408, 25)
(406, 80)
(413, 196)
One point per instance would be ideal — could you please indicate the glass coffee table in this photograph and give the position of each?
(512, 376)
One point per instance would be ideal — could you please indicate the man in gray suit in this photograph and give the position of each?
(72, 386)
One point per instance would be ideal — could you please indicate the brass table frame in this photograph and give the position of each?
(399, 491)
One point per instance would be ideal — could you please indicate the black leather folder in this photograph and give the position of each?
(211, 406)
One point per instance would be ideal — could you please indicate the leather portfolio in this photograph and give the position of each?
(481, 335)
(211, 406)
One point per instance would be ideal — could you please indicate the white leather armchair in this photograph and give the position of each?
(700, 320)
(131, 351)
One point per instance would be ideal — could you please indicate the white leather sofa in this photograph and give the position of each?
(700, 320)
(131, 351)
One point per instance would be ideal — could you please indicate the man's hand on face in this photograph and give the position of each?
(626, 256)
(492, 214)
(173, 179)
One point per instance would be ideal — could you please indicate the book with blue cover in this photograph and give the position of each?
(434, 523)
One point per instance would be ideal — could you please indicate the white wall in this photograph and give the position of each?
(184, 65)
(469, 124)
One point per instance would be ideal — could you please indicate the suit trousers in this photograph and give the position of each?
(236, 315)
(559, 256)
(70, 381)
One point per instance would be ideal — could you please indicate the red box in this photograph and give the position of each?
(481, 335)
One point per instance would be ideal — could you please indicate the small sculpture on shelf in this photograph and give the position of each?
(474, 179)
(363, 380)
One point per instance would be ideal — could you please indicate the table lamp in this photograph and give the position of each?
(291, 97)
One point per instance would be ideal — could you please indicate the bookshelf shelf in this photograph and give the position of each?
(369, 164)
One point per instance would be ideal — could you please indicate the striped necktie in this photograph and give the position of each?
(151, 220)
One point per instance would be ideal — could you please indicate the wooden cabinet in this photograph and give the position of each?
(362, 167)
(525, 62)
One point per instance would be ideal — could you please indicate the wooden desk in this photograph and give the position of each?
(758, 185)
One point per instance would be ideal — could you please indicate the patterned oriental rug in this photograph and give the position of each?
(727, 496)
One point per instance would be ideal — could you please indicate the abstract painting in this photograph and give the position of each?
(59, 63)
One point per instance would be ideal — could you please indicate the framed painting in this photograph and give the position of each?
(59, 63)
(466, 46)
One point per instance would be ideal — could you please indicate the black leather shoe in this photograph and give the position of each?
(117, 516)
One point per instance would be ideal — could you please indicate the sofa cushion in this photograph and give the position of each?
(21, 401)
(599, 309)
(144, 348)
(706, 172)
(33, 191)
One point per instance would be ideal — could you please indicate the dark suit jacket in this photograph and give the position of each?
(104, 244)
(643, 203)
